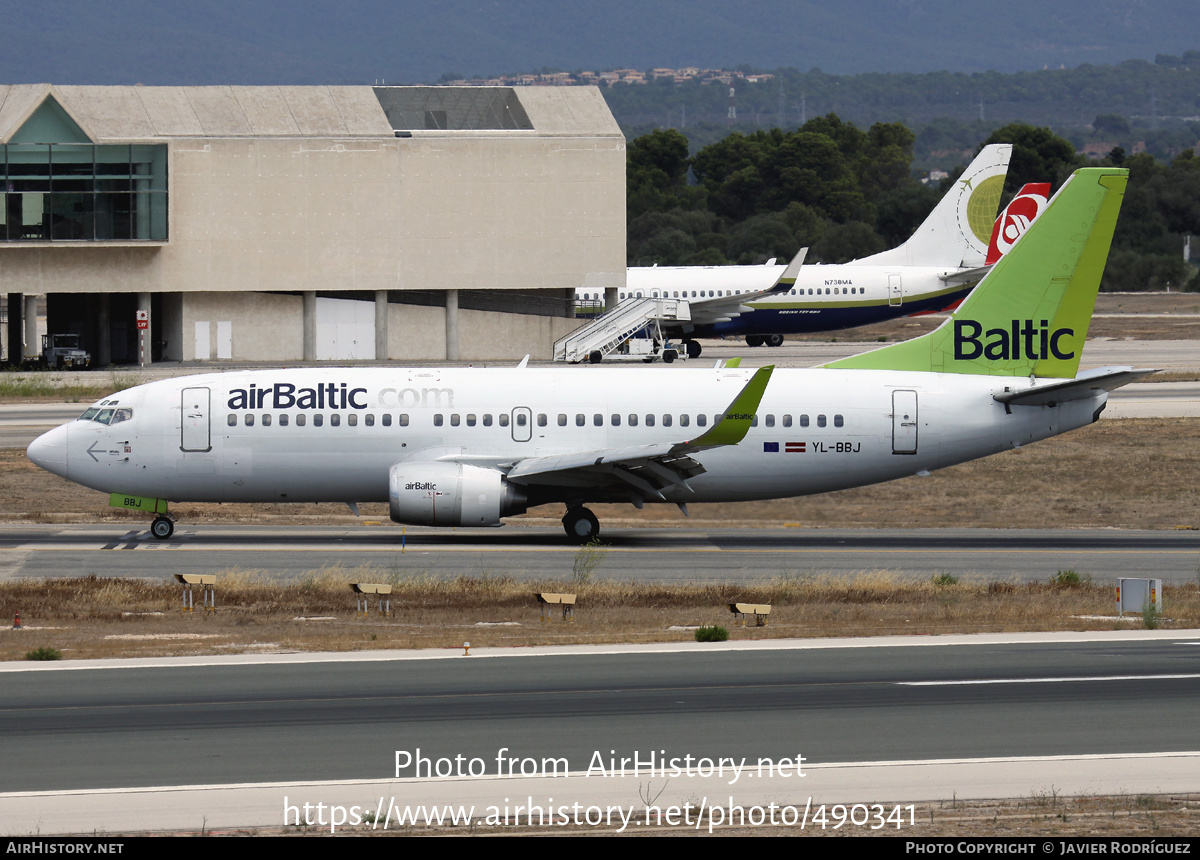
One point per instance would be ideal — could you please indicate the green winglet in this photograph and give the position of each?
(1030, 313)
(735, 421)
(734, 362)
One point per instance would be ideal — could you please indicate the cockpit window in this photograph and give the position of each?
(107, 415)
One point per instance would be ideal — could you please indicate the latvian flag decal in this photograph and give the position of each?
(794, 447)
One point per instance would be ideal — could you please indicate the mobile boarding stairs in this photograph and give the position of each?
(632, 331)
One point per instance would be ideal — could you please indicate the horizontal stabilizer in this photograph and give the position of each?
(965, 276)
(1087, 384)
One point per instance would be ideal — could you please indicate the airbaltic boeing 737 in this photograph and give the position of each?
(469, 446)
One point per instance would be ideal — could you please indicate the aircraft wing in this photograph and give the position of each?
(647, 469)
(1085, 385)
(724, 308)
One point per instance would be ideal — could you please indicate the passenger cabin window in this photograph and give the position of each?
(787, 420)
(335, 420)
(580, 419)
(248, 420)
(283, 420)
(318, 419)
(266, 419)
(386, 418)
(352, 419)
(503, 419)
(470, 419)
(838, 421)
(300, 419)
(231, 420)
(369, 419)
(403, 419)
(803, 420)
(562, 419)
(455, 420)
(437, 420)
(820, 420)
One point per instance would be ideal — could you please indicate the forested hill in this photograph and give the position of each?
(1155, 102)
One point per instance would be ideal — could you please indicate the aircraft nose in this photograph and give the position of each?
(50, 451)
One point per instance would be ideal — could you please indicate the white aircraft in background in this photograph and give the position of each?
(469, 446)
(932, 271)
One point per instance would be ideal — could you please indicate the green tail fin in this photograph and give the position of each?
(1030, 314)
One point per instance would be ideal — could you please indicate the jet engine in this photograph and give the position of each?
(444, 493)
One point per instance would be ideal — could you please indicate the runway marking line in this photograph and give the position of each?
(983, 681)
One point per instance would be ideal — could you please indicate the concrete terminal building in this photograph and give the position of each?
(307, 223)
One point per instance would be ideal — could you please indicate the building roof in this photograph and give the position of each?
(123, 114)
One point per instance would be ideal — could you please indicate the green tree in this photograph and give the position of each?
(1039, 155)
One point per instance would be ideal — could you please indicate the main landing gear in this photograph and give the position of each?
(693, 348)
(581, 524)
(760, 339)
(162, 527)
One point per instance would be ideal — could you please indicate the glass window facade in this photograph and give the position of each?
(82, 192)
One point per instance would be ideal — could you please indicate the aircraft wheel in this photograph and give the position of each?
(669, 355)
(693, 349)
(595, 356)
(774, 340)
(162, 528)
(754, 340)
(581, 525)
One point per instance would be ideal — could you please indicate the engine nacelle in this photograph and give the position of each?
(433, 493)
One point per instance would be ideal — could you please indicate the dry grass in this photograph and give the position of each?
(59, 386)
(93, 617)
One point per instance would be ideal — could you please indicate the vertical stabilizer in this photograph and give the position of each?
(957, 231)
(1030, 314)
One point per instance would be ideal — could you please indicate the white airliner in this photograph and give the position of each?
(932, 271)
(469, 446)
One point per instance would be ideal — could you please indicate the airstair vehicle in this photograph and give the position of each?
(632, 331)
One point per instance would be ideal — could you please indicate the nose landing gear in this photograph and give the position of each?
(162, 527)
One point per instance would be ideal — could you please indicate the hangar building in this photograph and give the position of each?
(307, 223)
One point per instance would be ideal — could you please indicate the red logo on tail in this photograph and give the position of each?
(1016, 218)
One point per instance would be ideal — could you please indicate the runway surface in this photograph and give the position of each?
(893, 721)
(644, 554)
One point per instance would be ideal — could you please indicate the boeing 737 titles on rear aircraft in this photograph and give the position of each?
(470, 446)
